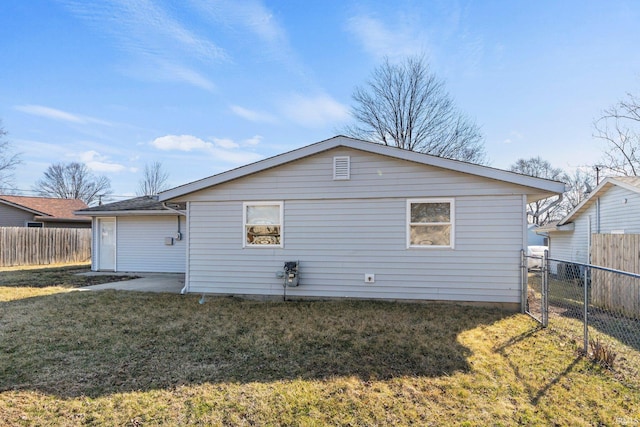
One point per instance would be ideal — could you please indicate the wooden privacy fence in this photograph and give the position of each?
(615, 291)
(42, 246)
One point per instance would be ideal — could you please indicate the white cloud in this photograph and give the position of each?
(514, 136)
(314, 111)
(252, 115)
(253, 141)
(180, 143)
(187, 75)
(55, 114)
(250, 17)
(380, 40)
(225, 143)
(223, 149)
(151, 34)
(99, 163)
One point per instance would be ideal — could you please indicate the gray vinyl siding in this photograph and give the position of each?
(13, 217)
(66, 224)
(616, 215)
(372, 176)
(140, 244)
(340, 230)
(338, 241)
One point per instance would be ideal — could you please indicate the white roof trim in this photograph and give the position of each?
(547, 186)
(603, 187)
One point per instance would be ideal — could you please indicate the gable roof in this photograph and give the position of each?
(631, 183)
(47, 208)
(143, 205)
(540, 188)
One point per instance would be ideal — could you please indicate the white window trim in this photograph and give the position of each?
(452, 222)
(244, 223)
(28, 224)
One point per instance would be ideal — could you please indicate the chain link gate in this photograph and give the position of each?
(535, 286)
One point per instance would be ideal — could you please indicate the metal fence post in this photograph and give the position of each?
(545, 289)
(524, 282)
(586, 310)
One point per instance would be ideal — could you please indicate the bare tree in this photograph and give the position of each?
(619, 128)
(407, 106)
(549, 209)
(73, 181)
(579, 186)
(8, 162)
(154, 180)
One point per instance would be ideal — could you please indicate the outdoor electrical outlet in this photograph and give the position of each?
(369, 278)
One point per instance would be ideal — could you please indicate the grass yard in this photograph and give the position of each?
(126, 358)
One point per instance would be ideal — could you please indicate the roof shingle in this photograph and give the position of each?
(47, 206)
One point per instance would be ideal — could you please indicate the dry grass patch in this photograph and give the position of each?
(118, 358)
(64, 277)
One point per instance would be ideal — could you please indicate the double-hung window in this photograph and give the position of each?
(430, 223)
(262, 224)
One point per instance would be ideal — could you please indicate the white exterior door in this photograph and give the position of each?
(106, 244)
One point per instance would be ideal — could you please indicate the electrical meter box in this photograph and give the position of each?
(291, 273)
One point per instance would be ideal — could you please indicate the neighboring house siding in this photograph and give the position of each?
(13, 217)
(340, 230)
(573, 245)
(617, 215)
(61, 224)
(141, 244)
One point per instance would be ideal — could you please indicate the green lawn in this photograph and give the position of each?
(126, 358)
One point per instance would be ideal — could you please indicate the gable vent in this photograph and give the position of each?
(341, 168)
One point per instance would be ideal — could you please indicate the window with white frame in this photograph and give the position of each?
(430, 223)
(262, 224)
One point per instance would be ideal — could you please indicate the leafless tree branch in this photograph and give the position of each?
(72, 181)
(407, 106)
(154, 180)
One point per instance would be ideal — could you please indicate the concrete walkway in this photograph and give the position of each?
(148, 282)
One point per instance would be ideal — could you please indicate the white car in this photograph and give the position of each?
(534, 256)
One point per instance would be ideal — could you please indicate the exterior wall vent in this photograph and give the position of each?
(341, 168)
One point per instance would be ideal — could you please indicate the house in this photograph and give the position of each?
(139, 234)
(21, 211)
(361, 220)
(612, 208)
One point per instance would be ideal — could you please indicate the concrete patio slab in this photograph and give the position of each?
(147, 282)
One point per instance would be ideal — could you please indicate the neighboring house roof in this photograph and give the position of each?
(143, 205)
(47, 208)
(631, 183)
(540, 188)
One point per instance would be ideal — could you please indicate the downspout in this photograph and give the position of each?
(185, 288)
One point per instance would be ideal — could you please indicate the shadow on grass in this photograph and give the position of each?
(99, 343)
(534, 391)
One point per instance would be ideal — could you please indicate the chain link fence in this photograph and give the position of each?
(596, 308)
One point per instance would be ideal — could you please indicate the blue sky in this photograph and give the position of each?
(205, 86)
